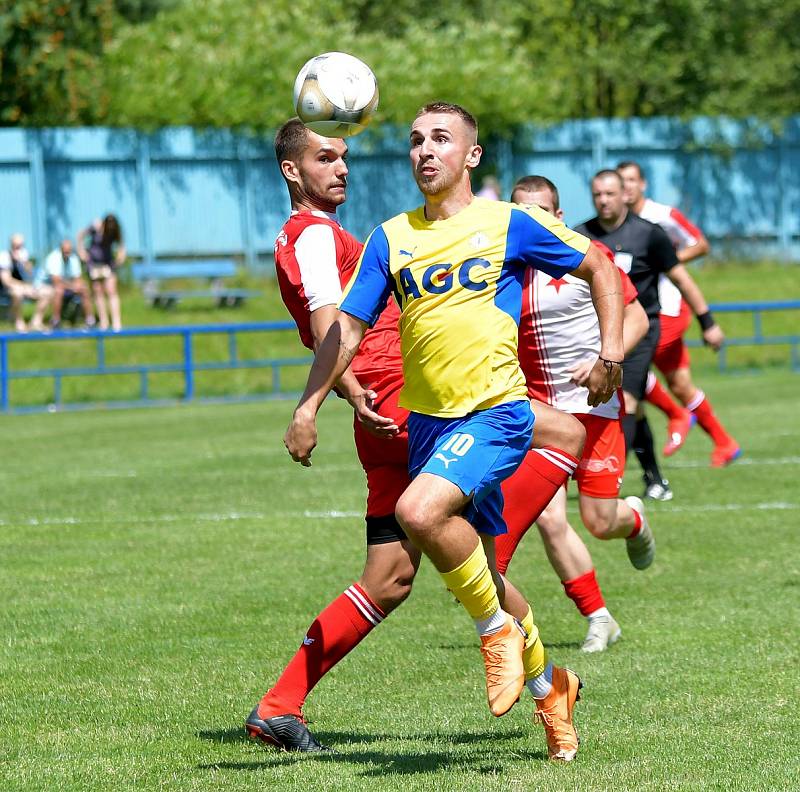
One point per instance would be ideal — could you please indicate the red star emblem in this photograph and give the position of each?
(557, 283)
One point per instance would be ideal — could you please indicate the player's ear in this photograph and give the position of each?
(290, 171)
(474, 156)
(560, 215)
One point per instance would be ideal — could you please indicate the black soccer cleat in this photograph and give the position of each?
(285, 732)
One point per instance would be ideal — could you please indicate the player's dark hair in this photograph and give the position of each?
(608, 172)
(291, 140)
(452, 109)
(631, 164)
(535, 183)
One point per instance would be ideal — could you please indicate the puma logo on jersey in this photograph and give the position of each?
(407, 253)
(307, 641)
(445, 460)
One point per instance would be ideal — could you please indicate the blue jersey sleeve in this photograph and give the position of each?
(366, 294)
(537, 239)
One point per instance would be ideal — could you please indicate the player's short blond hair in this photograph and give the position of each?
(452, 109)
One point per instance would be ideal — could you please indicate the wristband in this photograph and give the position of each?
(608, 365)
(706, 320)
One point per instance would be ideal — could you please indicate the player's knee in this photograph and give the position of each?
(551, 529)
(599, 524)
(414, 518)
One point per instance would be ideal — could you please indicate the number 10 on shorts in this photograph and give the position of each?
(458, 443)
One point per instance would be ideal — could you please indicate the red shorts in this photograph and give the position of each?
(385, 461)
(599, 473)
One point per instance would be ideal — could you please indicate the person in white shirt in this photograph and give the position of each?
(61, 272)
(15, 275)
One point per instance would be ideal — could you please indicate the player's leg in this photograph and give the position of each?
(455, 463)
(100, 300)
(571, 561)
(391, 565)
(555, 690)
(726, 449)
(679, 419)
(113, 301)
(17, 295)
(558, 440)
(637, 432)
(599, 477)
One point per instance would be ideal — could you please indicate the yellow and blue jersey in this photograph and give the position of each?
(459, 286)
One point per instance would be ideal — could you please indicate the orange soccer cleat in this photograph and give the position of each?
(505, 675)
(554, 712)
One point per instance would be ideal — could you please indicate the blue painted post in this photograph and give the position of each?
(598, 151)
(38, 197)
(101, 352)
(784, 192)
(233, 352)
(757, 325)
(143, 384)
(248, 205)
(188, 366)
(57, 388)
(143, 197)
(3, 374)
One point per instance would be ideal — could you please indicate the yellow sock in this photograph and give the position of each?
(534, 656)
(472, 585)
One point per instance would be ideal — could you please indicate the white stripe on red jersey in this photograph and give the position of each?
(314, 259)
(558, 329)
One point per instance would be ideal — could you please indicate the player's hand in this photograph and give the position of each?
(580, 371)
(375, 423)
(714, 337)
(604, 379)
(301, 438)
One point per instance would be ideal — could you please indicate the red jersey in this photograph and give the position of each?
(314, 259)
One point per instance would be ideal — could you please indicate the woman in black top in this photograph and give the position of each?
(102, 249)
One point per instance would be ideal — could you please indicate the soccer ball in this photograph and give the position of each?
(335, 95)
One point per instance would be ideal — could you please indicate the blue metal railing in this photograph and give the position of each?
(188, 365)
(758, 338)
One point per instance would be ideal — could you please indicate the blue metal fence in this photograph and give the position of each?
(185, 192)
(188, 365)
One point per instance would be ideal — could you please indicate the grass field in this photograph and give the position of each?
(158, 567)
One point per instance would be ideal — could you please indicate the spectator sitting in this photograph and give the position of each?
(103, 251)
(15, 271)
(62, 272)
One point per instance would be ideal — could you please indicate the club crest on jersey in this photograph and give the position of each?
(479, 240)
(441, 278)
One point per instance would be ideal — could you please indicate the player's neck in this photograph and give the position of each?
(443, 206)
(305, 205)
(613, 225)
(637, 207)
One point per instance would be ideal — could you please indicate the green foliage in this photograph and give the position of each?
(231, 63)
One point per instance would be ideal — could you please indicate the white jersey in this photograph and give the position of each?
(559, 329)
(682, 234)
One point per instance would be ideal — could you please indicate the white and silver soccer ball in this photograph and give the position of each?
(335, 94)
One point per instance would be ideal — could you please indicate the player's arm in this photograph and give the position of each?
(606, 289)
(80, 248)
(712, 332)
(361, 399)
(331, 361)
(635, 325)
(364, 297)
(694, 244)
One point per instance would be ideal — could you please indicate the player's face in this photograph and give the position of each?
(607, 197)
(633, 185)
(443, 151)
(322, 172)
(541, 198)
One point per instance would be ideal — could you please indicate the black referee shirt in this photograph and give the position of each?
(641, 249)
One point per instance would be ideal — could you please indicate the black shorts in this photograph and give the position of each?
(637, 363)
(382, 530)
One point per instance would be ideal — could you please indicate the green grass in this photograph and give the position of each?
(720, 282)
(158, 567)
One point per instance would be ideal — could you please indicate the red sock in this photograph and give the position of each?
(334, 633)
(661, 399)
(709, 422)
(637, 524)
(585, 592)
(526, 494)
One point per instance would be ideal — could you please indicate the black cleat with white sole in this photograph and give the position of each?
(285, 732)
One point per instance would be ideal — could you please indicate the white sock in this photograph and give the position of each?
(600, 613)
(493, 624)
(541, 685)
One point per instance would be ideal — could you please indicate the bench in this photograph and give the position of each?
(153, 274)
